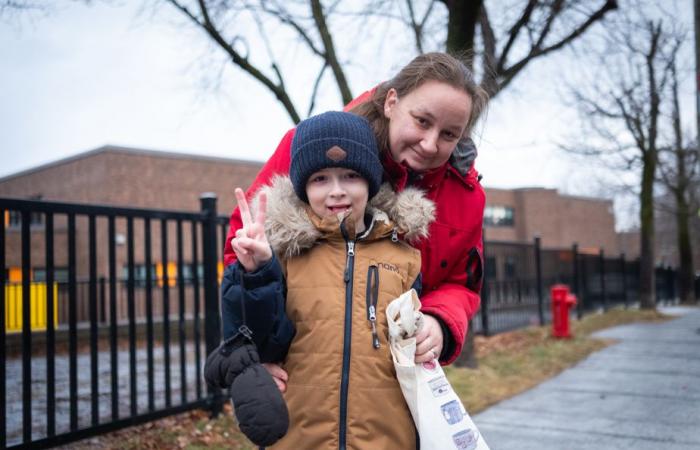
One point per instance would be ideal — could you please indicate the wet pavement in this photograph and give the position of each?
(39, 388)
(641, 393)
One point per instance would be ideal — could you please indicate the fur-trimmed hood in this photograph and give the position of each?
(291, 227)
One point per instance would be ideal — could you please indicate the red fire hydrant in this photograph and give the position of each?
(562, 301)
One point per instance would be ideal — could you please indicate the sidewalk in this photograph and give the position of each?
(640, 393)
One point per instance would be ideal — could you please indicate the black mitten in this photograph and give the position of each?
(258, 404)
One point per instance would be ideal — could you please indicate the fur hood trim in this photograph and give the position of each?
(290, 231)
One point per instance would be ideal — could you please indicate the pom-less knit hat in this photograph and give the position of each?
(334, 139)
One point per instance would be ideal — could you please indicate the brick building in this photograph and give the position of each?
(124, 177)
(158, 180)
(518, 215)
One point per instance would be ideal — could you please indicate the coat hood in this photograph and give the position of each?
(291, 227)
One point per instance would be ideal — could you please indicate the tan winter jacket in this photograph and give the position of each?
(342, 391)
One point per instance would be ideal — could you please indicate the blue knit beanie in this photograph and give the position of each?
(334, 139)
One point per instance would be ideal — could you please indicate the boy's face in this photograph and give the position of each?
(334, 190)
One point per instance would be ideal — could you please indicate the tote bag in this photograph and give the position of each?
(440, 417)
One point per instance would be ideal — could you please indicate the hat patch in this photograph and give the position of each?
(336, 154)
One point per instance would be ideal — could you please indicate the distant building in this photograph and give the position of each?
(125, 177)
(518, 215)
(159, 180)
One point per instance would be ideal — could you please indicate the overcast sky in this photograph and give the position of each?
(84, 77)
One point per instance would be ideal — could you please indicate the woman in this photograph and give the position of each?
(420, 117)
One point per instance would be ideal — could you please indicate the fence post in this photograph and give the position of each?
(624, 278)
(103, 299)
(577, 286)
(484, 289)
(538, 266)
(603, 295)
(212, 318)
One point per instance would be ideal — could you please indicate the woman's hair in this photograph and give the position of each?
(440, 67)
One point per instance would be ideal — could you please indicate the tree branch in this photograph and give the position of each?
(509, 73)
(206, 24)
(331, 58)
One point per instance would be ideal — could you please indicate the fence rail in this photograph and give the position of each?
(108, 313)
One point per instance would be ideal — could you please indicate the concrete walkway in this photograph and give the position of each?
(640, 393)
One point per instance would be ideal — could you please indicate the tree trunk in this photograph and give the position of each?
(461, 26)
(687, 277)
(647, 284)
(468, 356)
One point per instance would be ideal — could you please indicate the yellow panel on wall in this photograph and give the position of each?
(37, 306)
(172, 274)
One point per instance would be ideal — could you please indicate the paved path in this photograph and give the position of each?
(641, 393)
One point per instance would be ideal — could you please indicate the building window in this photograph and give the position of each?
(498, 216)
(490, 265)
(509, 268)
(13, 219)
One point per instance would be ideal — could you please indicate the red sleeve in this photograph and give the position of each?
(453, 297)
(278, 164)
(457, 299)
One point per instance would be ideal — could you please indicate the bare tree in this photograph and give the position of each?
(679, 171)
(540, 28)
(622, 110)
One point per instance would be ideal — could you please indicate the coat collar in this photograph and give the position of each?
(400, 176)
(292, 227)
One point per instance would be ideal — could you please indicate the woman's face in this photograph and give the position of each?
(426, 124)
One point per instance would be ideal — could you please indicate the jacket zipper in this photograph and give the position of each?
(345, 377)
(372, 296)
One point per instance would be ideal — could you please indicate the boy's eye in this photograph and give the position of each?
(352, 175)
(317, 179)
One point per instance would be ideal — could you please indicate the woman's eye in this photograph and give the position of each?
(422, 121)
(317, 179)
(352, 175)
(450, 136)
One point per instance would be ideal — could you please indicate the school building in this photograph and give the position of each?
(135, 178)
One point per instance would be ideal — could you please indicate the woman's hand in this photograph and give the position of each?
(278, 374)
(429, 340)
(250, 243)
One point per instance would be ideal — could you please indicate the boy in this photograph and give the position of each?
(316, 269)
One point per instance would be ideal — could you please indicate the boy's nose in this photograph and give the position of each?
(337, 189)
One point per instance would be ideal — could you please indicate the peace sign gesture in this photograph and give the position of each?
(250, 243)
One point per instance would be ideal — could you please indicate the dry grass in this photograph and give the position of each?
(509, 363)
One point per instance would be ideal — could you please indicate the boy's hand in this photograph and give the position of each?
(278, 374)
(250, 243)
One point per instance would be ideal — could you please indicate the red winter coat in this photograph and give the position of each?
(451, 257)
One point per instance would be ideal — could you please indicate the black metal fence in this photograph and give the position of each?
(518, 278)
(118, 348)
(108, 313)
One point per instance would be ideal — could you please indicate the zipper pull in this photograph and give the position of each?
(394, 235)
(351, 253)
(373, 324)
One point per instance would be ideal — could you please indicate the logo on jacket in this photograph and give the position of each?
(387, 266)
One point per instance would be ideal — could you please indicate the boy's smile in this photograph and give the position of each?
(337, 190)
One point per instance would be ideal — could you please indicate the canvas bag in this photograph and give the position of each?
(440, 417)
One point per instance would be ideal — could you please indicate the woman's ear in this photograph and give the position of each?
(392, 98)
